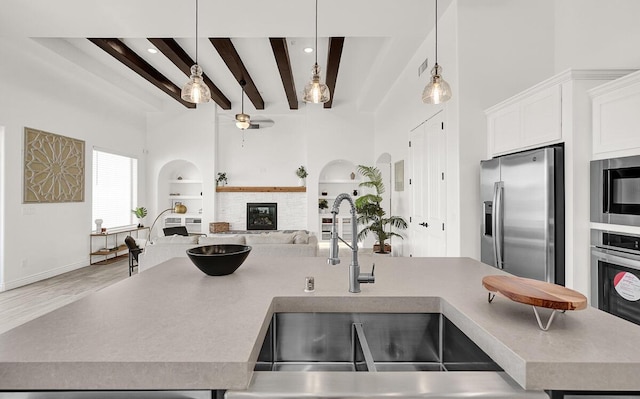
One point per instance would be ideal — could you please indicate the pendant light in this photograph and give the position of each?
(243, 121)
(315, 91)
(195, 90)
(438, 90)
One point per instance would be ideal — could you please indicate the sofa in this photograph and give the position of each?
(272, 243)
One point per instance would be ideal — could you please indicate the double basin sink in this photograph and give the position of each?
(374, 355)
(369, 342)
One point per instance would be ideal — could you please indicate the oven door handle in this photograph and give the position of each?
(608, 257)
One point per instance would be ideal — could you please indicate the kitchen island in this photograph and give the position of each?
(174, 328)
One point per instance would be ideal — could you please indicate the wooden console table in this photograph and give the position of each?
(111, 252)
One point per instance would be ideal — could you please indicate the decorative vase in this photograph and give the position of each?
(99, 225)
(302, 182)
(353, 176)
(140, 225)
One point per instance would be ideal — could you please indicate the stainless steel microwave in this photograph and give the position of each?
(615, 191)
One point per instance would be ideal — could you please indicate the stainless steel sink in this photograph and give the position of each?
(374, 355)
(369, 342)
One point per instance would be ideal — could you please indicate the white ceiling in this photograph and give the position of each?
(380, 37)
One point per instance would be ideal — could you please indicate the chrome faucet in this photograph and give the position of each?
(355, 277)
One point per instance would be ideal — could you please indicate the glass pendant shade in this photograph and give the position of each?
(243, 121)
(195, 90)
(438, 90)
(315, 91)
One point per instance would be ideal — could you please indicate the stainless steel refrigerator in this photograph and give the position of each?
(523, 213)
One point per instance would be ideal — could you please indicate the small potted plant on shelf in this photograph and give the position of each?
(140, 213)
(222, 179)
(302, 174)
(323, 205)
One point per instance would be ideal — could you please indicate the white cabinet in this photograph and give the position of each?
(193, 222)
(616, 117)
(530, 119)
(343, 223)
(188, 193)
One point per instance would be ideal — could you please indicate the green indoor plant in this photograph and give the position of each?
(222, 179)
(302, 174)
(370, 212)
(140, 213)
(323, 204)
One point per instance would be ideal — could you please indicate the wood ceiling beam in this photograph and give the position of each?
(172, 50)
(333, 64)
(118, 50)
(281, 54)
(231, 57)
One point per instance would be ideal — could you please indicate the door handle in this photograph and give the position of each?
(424, 224)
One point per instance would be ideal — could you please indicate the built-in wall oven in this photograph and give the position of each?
(615, 191)
(615, 273)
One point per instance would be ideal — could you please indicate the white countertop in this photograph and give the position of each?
(172, 327)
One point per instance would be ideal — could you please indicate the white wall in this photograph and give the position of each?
(596, 34)
(182, 134)
(42, 91)
(3, 156)
(311, 136)
(489, 51)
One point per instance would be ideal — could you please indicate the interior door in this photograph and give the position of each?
(428, 186)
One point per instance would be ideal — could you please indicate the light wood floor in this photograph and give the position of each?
(19, 305)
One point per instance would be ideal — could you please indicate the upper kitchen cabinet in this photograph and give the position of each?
(543, 114)
(528, 120)
(616, 117)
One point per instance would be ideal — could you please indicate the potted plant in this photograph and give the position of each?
(302, 174)
(140, 213)
(323, 205)
(371, 214)
(222, 179)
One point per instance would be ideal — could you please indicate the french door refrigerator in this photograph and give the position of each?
(523, 213)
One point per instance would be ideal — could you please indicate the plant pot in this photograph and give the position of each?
(302, 182)
(387, 248)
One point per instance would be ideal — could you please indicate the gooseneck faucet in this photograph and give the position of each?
(355, 277)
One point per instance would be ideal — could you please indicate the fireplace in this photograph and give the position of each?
(262, 216)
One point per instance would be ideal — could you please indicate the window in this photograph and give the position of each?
(115, 193)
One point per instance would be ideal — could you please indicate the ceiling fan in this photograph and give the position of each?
(255, 123)
(261, 123)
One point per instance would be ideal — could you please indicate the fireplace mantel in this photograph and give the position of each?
(260, 189)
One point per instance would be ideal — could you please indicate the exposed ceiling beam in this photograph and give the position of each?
(128, 57)
(281, 54)
(172, 50)
(231, 57)
(333, 64)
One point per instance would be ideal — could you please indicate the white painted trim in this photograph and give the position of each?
(569, 74)
(9, 285)
(2, 229)
(630, 79)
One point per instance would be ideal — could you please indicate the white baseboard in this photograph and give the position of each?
(9, 285)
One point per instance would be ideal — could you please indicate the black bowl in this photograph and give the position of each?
(219, 260)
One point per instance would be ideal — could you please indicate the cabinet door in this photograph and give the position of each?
(504, 130)
(616, 121)
(541, 118)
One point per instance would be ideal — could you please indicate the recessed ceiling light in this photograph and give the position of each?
(152, 50)
(308, 50)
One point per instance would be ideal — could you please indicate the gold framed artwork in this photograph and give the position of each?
(53, 168)
(398, 169)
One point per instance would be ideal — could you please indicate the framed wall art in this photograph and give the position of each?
(53, 168)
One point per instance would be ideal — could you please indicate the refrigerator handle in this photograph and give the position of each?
(498, 236)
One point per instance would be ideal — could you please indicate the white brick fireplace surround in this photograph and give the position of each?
(231, 207)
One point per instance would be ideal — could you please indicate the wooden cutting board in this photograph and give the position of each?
(535, 292)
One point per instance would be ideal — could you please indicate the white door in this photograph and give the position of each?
(428, 188)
